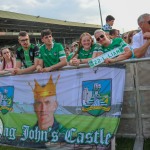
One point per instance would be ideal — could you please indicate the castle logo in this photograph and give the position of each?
(6, 98)
(96, 96)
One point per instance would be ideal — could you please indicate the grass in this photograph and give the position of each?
(146, 144)
(124, 143)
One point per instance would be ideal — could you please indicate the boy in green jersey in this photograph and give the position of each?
(52, 55)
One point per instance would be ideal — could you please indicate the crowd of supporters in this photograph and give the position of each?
(53, 56)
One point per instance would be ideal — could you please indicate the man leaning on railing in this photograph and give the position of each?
(52, 55)
(27, 55)
(141, 40)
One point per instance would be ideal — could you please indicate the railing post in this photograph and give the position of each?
(138, 145)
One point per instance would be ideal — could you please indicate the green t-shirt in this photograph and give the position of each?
(82, 54)
(27, 58)
(52, 56)
(116, 43)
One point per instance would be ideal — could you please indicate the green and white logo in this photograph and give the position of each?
(6, 98)
(96, 96)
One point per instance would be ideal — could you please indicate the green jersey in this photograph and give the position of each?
(83, 54)
(115, 43)
(52, 56)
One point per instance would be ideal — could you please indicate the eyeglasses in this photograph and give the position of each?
(100, 37)
(24, 40)
(6, 53)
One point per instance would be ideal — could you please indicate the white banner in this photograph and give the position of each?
(85, 101)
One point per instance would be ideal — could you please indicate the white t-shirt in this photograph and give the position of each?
(138, 41)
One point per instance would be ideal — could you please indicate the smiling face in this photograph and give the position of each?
(101, 38)
(86, 41)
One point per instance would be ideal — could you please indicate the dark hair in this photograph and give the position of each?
(46, 32)
(109, 18)
(22, 33)
(112, 32)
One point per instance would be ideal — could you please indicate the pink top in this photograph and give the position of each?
(8, 65)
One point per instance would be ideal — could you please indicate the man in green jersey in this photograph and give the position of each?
(52, 55)
(27, 55)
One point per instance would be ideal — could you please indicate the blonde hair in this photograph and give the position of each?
(97, 31)
(80, 39)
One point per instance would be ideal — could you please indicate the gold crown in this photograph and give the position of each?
(43, 91)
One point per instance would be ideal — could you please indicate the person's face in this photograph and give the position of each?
(47, 39)
(45, 108)
(125, 38)
(6, 53)
(145, 25)
(111, 22)
(86, 42)
(73, 47)
(116, 34)
(67, 51)
(101, 38)
(24, 41)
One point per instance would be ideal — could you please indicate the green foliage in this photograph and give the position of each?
(124, 143)
(146, 144)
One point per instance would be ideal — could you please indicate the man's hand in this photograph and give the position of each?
(17, 71)
(146, 35)
(39, 68)
(48, 69)
(75, 62)
(110, 60)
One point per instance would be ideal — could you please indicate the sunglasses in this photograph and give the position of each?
(148, 22)
(6, 53)
(124, 37)
(100, 37)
